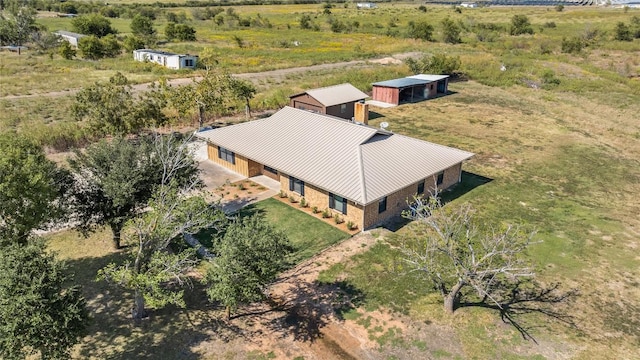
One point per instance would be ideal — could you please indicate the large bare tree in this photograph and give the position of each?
(453, 252)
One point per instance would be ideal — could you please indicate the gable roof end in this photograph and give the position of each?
(336, 94)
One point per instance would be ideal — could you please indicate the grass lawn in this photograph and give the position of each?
(547, 161)
(307, 234)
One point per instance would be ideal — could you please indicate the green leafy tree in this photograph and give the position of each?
(31, 188)
(16, 28)
(520, 25)
(112, 108)
(450, 32)
(170, 31)
(185, 32)
(131, 43)
(39, 312)
(155, 275)
(209, 95)
(66, 50)
(116, 179)
(420, 30)
(181, 32)
(248, 258)
(243, 90)
(142, 26)
(91, 47)
(623, 32)
(93, 24)
(434, 64)
(110, 46)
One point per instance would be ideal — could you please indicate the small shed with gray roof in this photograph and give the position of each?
(337, 100)
(362, 174)
(409, 89)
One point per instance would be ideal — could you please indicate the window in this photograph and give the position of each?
(296, 185)
(343, 108)
(440, 179)
(188, 62)
(271, 170)
(382, 205)
(226, 155)
(421, 188)
(338, 203)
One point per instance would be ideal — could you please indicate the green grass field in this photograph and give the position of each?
(562, 157)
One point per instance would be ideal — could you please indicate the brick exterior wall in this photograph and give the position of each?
(364, 217)
(397, 202)
(315, 196)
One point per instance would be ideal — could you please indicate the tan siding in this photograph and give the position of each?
(315, 196)
(397, 202)
(241, 166)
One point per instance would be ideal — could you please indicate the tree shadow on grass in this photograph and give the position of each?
(529, 297)
(468, 182)
(168, 333)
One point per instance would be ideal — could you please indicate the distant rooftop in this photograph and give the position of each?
(70, 34)
(401, 82)
(336, 94)
(160, 52)
(428, 77)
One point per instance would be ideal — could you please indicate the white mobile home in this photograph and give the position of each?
(71, 37)
(367, 5)
(166, 59)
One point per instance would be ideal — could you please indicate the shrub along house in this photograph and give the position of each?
(364, 174)
(410, 89)
(337, 100)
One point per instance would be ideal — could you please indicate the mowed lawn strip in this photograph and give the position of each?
(308, 235)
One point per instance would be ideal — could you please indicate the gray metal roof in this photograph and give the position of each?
(160, 52)
(337, 94)
(358, 162)
(70, 34)
(400, 83)
(428, 77)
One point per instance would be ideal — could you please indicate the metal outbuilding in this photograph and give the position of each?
(410, 89)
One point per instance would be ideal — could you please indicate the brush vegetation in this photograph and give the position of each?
(554, 126)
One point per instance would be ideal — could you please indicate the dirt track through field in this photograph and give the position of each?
(272, 74)
(300, 317)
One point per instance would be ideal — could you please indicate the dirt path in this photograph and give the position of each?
(273, 74)
(300, 319)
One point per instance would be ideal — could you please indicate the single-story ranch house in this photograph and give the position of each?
(363, 173)
(410, 89)
(166, 59)
(337, 100)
